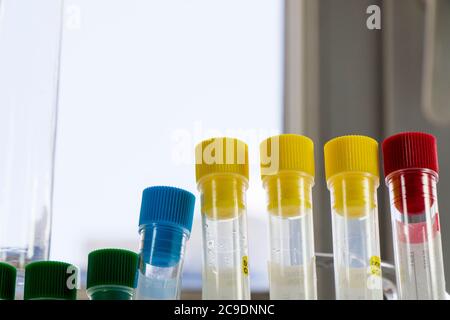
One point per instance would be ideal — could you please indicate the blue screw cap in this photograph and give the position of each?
(167, 205)
(169, 212)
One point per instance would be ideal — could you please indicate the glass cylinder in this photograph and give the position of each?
(30, 39)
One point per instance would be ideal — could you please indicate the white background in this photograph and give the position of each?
(142, 82)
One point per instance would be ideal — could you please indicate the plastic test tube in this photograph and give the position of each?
(7, 281)
(222, 179)
(50, 280)
(165, 224)
(287, 171)
(111, 274)
(351, 168)
(411, 171)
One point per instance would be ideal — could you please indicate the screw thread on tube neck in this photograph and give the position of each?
(412, 190)
(353, 193)
(289, 194)
(223, 196)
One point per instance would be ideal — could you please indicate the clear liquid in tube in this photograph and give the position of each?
(226, 270)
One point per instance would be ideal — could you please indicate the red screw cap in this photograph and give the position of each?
(410, 150)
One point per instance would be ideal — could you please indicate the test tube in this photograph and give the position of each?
(351, 168)
(287, 172)
(411, 171)
(50, 280)
(111, 274)
(165, 224)
(222, 179)
(7, 281)
(30, 45)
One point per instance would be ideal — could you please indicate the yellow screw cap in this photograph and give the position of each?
(221, 156)
(344, 156)
(351, 154)
(287, 171)
(287, 152)
(222, 175)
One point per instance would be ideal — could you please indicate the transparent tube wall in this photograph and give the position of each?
(30, 33)
(161, 262)
(417, 234)
(225, 244)
(111, 292)
(355, 236)
(292, 267)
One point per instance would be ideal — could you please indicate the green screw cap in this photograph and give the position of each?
(112, 267)
(50, 280)
(7, 281)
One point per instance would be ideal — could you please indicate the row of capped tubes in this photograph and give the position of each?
(287, 171)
